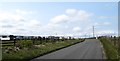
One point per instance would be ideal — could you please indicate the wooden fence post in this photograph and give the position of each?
(14, 42)
(12, 38)
(114, 39)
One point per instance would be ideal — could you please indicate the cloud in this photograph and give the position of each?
(103, 17)
(71, 15)
(106, 33)
(34, 23)
(60, 19)
(106, 23)
(7, 26)
(64, 23)
(71, 12)
(17, 22)
(71, 22)
(16, 15)
(76, 29)
(108, 17)
(78, 14)
(10, 16)
(102, 24)
(83, 15)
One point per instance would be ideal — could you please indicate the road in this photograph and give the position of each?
(89, 49)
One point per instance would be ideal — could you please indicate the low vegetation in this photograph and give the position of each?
(111, 50)
(26, 50)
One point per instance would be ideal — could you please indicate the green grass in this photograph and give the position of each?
(32, 52)
(110, 49)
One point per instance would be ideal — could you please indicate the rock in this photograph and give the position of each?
(10, 49)
(6, 51)
(17, 48)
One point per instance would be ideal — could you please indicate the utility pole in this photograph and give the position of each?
(93, 31)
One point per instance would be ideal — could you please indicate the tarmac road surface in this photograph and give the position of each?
(89, 49)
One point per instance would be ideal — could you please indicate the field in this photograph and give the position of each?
(26, 50)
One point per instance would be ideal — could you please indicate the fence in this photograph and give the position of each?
(35, 40)
(8, 43)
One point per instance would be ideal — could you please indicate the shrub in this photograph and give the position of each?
(25, 43)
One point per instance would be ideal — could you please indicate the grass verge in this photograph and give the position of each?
(110, 49)
(27, 54)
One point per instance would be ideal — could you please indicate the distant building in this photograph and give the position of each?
(53, 38)
(4, 37)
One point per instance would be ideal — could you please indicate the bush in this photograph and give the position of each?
(24, 43)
